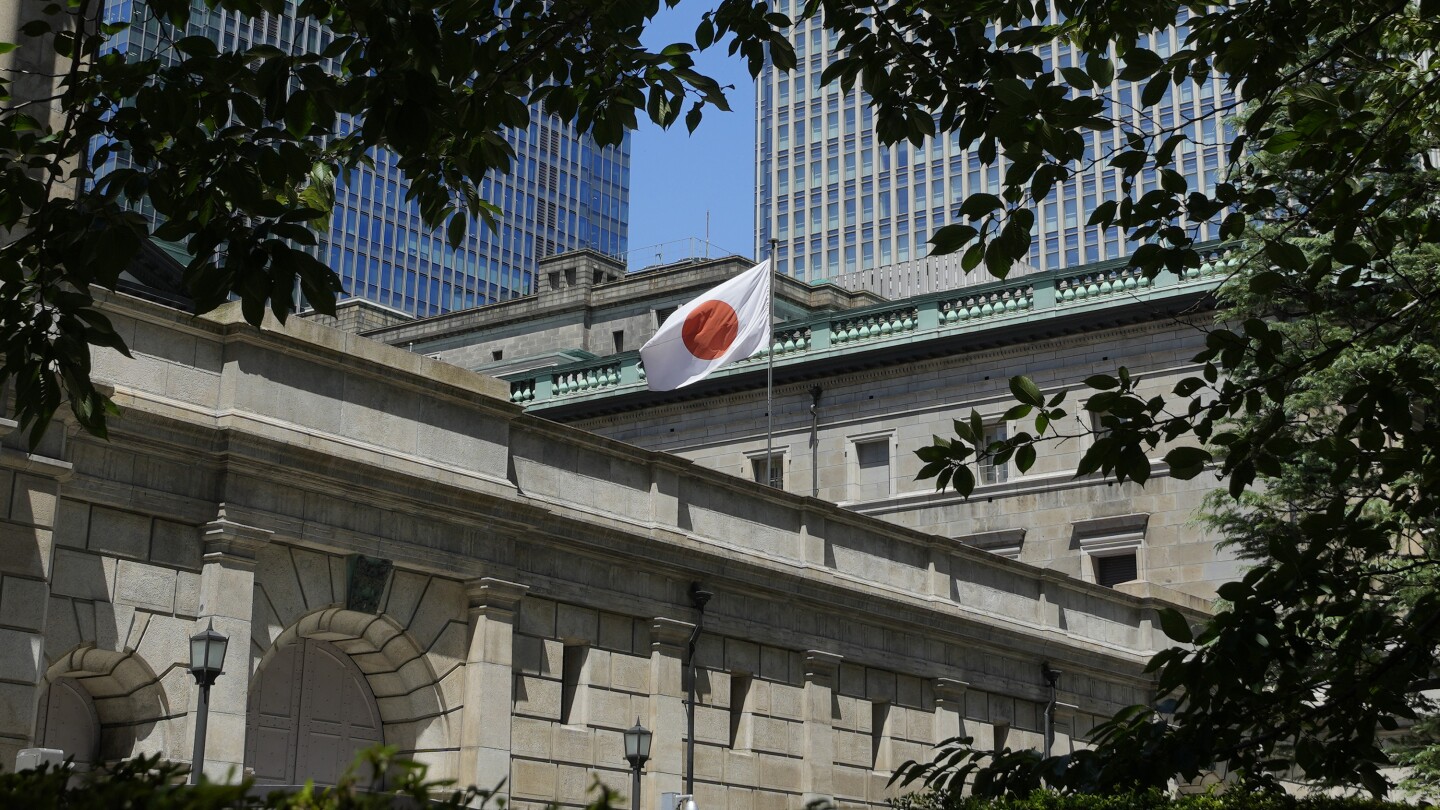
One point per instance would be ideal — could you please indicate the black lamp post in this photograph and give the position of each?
(1052, 680)
(699, 598)
(207, 661)
(637, 751)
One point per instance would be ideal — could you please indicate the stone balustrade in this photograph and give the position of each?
(987, 304)
(873, 325)
(938, 315)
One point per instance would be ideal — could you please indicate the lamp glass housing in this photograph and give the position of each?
(637, 744)
(207, 654)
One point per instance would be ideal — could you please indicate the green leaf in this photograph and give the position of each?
(1187, 462)
(455, 229)
(1139, 63)
(1286, 255)
(979, 204)
(1025, 457)
(1155, 90)
(951, 238)
(1103, 214)
(1351, 253)
(1175, 626)
(1077, 78)
(1026, 391)
(1102, 70)
(197, 46)
(1101, 382)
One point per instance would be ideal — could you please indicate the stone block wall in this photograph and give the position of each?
(535, 601)
(29, 503)
(904, 406)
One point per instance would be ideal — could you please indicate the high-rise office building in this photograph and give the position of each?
(838, 201)
(564, 192)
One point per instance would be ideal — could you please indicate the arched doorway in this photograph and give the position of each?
(311, 710)
(103, 705)
(71, 724)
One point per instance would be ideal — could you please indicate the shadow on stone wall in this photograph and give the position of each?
(128, 698)
(406, 689)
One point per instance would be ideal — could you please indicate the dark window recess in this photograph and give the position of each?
(1097, 426)
(572, 665)
(1114, 569)
(777, 471)
(873, 454)
(619, 336)
(662, 314)
(739, 696)
(879, 717)
(497, 354)
(991, 472)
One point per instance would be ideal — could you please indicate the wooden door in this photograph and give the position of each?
(70, 723)
(311, 711)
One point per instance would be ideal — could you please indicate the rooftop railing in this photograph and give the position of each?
(979, 307)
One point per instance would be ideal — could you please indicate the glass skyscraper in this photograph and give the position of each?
(564, 192)
(838, 201)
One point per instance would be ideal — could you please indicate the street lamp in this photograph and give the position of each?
(637, 751)
(1052, 680)
(207, 661)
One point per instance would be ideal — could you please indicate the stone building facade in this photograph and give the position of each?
(399, 553)
(862, 382)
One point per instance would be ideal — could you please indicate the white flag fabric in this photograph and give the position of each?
(729, 323)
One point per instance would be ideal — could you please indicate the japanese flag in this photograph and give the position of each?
(728, 323)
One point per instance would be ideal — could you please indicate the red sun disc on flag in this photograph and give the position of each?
(710, 329)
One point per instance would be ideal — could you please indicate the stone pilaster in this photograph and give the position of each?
(665, 772)
(227, 600)
(489, 683)
(937, 574)
(949, 708)
(29, 501)
(817, 778)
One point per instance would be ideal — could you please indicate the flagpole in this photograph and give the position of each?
(770, 373)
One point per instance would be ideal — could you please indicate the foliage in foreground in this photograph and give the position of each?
(1312, 401)
(1342, 100)
(147, 782)
(1141, 800)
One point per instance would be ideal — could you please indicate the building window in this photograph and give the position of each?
(619, 337)
(989, 471)
(572, 685)
(497, 355)
(1097, 426)
(740, 713)
(776, 470)
(872, 468)
(1000, 735)
(1113, 548)
(1113, 569)
(880, 735)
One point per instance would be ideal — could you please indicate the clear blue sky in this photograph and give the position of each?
(675, 177)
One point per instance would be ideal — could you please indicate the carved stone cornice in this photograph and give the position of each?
(821, 664)
(223, 537)
(669, 635)
(494, 597)
(951, 692)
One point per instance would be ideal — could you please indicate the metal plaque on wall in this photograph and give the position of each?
(367, 577)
